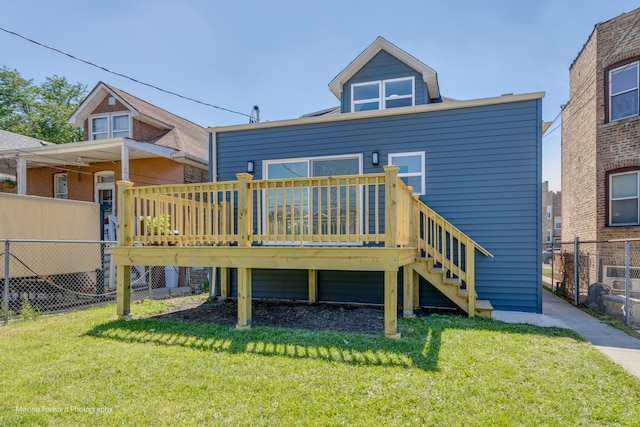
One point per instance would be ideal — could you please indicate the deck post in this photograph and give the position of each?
(416, 290)
(123, 272)
(407, 291)
(244, 210)
(391, 206)
(313, 286)
(224, 283)
(471, 277)
(391, 304)
(244, 298)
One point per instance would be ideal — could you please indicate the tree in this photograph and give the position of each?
(39, 111)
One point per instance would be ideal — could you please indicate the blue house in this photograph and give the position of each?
(400, 196)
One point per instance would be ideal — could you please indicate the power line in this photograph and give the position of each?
(120, 74)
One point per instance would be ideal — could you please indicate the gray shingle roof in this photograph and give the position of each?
(12, 141)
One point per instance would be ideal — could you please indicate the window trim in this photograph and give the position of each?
(608, 83)
(549, 236)
(382, 98)
(609, 192)
(56, 192)
(110, 131)
(421, 174)
(549, 211)
(557, 223)
(104, 185)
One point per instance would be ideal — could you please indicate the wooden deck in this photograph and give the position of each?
(351, 223)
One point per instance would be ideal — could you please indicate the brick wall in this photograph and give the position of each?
(194, 175)
(579, 147)
(550, 198)
(618, 142)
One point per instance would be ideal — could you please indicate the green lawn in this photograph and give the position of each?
(87, 368)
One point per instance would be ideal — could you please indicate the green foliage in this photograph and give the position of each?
(28, 311)
(158, 224)
(39, 111)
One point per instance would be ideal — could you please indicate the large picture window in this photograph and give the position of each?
(383, 94)
(623, 199)
(623, 92)
(289, 210)
(411, 169)
(110, 126)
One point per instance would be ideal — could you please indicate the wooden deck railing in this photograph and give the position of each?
(345, 210)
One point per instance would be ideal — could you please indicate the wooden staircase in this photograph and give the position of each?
(436, 275)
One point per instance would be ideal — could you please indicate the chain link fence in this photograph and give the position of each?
(44, 277)
(604, 276)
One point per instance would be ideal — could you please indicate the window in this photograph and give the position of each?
(60, 186)
(382, 94)
(557, 223)
(110, 126)
(549, 211)
(623, 199)
(623, 92)
(105, 187)
(411, 169)
(549, 236)
(289, 207)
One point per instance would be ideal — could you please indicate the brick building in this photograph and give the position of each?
(601, 137)
(551, 215)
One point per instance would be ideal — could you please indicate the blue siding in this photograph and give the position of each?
(381, 67)
(483, 173)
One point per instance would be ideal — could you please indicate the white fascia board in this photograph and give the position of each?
(91, 102)
(425, 108)
(428, 74)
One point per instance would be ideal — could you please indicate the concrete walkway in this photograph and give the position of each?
(618, 346)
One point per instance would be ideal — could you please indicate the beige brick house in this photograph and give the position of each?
(601, 137)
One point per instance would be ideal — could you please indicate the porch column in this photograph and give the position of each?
(408, 283)
(22, 175)
(124, 161)
(313, 286)
(391, 304)
(244, 298)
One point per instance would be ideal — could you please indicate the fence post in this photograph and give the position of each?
(5, 294)
(576, 270)
(627, 280)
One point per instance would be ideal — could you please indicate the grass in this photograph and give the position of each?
(611, 321)
(87, 368)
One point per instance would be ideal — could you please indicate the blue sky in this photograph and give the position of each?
(281, 55)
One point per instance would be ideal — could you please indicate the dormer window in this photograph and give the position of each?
(110, 126)
(383, 94)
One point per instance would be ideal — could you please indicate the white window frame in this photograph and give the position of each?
(557, 223)
(421, 174)
(57, 193)
(549, 211)
(549, 236)
(611, 94)
(265, 175)
(611, 199)
(109, 132)
(104, 185)
(382, 98)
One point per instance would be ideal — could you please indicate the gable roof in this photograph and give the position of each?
(428, 74)
(14, 141)
(181, 135)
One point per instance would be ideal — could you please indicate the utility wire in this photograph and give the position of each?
(120, 74)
